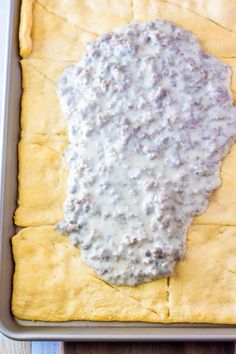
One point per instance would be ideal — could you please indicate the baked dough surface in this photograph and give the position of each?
(66, 289)
(53, 35)
(40, 109)
(42, 179)
(49, 270)
(203, 287)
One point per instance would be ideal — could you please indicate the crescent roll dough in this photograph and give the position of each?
(53, 35)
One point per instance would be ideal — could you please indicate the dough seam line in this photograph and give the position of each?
(197, 14)
(64, 19)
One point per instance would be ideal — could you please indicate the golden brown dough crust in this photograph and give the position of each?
(223, 12)
(42, 179)
(203, 286)
(97, 16)
(40, 108)
(51, 283)
(25, 27)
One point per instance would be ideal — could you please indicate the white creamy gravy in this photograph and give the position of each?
(150, 118)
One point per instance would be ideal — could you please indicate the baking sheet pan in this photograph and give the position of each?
(10, 94)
